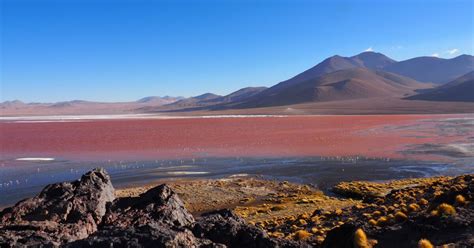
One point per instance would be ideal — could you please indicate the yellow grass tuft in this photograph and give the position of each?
(377, 213)
(360, 239)
(382, 221)
(446, 209)
(423, 201)
(413, 207)
(424, 243)
(372, 222)
(400, 216)
(302, 235)
(460, 200)
(302, 222)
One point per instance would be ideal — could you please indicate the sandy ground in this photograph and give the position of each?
(370, 135)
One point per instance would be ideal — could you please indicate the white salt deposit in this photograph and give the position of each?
(35, 159)
(187, 172)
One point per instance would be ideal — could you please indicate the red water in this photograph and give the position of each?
(373, 136)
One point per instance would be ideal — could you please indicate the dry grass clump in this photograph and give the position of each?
(400, 216)
(360, 239)
(424, 243)
(377, 213)
(302, 235)
(423, 201)
(382, 221)
(413, 207)
(460, 200)
(446, 209)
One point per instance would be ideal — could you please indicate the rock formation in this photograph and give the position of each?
(61, 213)
(85, 213)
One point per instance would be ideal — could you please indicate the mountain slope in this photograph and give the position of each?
(369, 60)
(195, 101)
(346, 84)
(238, 95)
(433, 69)
(159, 100)
(372, 60)
(458, 90)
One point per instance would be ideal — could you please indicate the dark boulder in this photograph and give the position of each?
(157, 205)
(62, 212)
(341, 237)
(225, 227)
(156, 218)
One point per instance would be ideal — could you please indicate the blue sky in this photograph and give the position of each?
(124, 50)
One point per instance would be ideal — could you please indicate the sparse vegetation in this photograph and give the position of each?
(400, 216)
(446, 209)
(302, 235)
(360, 239)
(460, 200)
(424, 243)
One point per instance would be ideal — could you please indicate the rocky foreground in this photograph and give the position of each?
(86, 213)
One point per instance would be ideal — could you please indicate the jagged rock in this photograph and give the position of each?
(61, 213)
(156, 218)
(225, 227)
(341, 237)
(149, 235)
(157, 205)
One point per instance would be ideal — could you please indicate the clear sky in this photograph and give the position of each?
(116, 50)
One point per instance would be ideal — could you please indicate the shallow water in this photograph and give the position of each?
(21, 179)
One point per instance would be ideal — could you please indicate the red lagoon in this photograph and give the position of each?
(371, 135)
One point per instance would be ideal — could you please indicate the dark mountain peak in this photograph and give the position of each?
(464, 57)
(242, 94)
(433, 69)
(372, 60)
(159, 100)
(149, 99)
(459, 90)
(13, 102)
(206, 96)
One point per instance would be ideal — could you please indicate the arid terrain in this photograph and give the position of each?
(253, 213)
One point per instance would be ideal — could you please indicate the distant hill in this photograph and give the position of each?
(12, 104)
(345, 84)
(433, 69)
(210, 99)
(159, 99)
(369, 60)
(458, 90)
(79, 107)
(195, 101)
(238, 95)
(372, 60)
(422, 69)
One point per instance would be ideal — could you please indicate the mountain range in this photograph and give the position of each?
(458, 90)
(337, 79)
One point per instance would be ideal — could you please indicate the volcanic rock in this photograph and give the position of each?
(84, 213)
(225, 227)
(62, 212)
